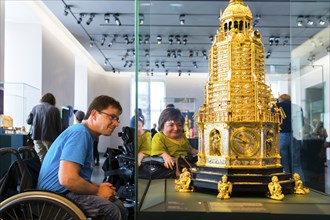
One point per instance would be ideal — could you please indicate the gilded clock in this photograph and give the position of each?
(244, 142)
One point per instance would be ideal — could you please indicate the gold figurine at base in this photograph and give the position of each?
(225, 188)
(298, 185)
(275, 189)
(183, 183)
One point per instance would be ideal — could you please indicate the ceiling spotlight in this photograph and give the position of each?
(66, 10)
(211, 38)
(159, 39)
(91, 42)
(195, 65)
(166, 72)
(182, 19)
(268, 54)
(130, 64)
(146, 53)
(256, 20)
(125, 64)
(141, 19)
(103, 40)
(286, 41)
(90, 19)
(113, 70)
(168, 53)
(180, 72)
(107, 18)
(189, 72)
(178, 64)
(163, 64)
(300, 21)
(178, 40)
(184, 39)
(116, 16)
(146, 39)
(321, 21)
(271, 41)
(178, 53)
(126, 39)
(204, 54)
(157, 64)
(310, 20)
(106, 62)
(277, 41)
(147, 64)
(170, 39)
(191, 53)
(112, 41)
(81, 16)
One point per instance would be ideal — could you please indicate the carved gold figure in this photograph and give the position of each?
(236, 125)
(183, 183)
(225, 188)
(298, 185)
(275, 189)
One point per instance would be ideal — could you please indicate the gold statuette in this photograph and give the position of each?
(275, 189)
(183, 183)
(225, 188)
(298, 185)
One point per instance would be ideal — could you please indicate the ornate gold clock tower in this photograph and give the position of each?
(238, 132)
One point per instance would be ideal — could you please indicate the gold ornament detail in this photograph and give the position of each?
(183, 183)
(275, 189)
(225, 188)
(298, 185)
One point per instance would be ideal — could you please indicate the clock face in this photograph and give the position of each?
(244, 142)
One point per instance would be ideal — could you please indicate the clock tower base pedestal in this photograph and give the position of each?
(245, 180)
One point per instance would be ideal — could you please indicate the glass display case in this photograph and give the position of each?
(294, 65)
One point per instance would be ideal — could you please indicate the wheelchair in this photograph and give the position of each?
(19, 199)
(119, 169)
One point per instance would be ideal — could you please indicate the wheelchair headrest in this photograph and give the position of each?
(127, 134)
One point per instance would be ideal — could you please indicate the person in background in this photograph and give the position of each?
(68, 165)
(45, 121)
(153, 130)
(79, 116)
(170, 105)
(144, 142)
(170, 143)
(132, 121)
(290, 146)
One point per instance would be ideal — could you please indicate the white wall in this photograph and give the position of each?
(186, 87)
(118, 87)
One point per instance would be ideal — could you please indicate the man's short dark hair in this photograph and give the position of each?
(48, 98)
(103, 102)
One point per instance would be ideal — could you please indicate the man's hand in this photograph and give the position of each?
(106, 190)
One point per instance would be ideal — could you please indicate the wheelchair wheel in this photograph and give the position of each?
(40, 205)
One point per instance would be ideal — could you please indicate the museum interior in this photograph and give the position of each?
(225, 64)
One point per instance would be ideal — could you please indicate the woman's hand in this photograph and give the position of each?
(140, 157)
(168, 161)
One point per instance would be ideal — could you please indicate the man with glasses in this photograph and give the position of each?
(67, 167)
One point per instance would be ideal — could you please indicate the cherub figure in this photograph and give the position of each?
(183, 183)
(225, 188)
(298, 185)
(275, 189)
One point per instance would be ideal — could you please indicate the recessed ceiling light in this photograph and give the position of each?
(176, 5)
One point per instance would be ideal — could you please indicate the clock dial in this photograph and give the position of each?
(244, 142)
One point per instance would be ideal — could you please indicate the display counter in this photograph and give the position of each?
(158, 200)
(9, 140)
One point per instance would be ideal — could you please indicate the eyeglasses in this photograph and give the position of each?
(112, 117)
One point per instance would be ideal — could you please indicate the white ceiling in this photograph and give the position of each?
(161, 18)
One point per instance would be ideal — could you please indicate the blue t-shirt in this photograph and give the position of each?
(75, 144)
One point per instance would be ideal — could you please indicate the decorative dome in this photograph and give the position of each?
(236, 8)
